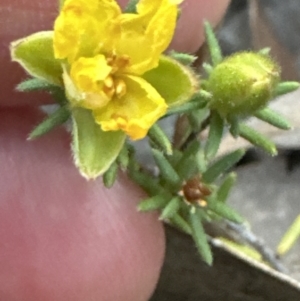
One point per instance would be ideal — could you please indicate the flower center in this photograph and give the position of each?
(113, 85)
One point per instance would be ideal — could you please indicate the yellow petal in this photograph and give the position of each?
(85, 27)
(135, 112)
(145, 35)
(90, 76)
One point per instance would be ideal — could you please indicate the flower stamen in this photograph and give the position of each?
(109, 82)
(118, 63)
(120, 88)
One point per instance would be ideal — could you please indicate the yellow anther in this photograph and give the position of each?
(117, 62)
(109, 91)
(109, 82)
(202, 203)
(120, 88)
(122, 61)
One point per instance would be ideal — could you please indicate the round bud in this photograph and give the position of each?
(243, 83)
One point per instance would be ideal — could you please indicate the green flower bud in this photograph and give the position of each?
(243, 83)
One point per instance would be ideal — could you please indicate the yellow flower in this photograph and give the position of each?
(106, 54)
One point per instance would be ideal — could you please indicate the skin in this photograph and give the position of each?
(63, 238)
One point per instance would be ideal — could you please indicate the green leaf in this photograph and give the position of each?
(35, 54)
(147, 182)
(273, 118)
(175, 82)
(123, 158)
(179, 222)
(186, 107)
(94, 150)
(59, 96)
(183, 58)
(286, 87)
(225, 187)
(160, 138)
(166, 170)
(213, 45)
(186, 166)
(201, 161)
(208, 68)
(222, 165)
(110, 175)
(290, 237)
(197, 118)
(234, 125)
(199, 237)
(60, 116)
(171, 208)
(153, 203)
(257, 139)
(224, 211)
(216, 128)
(35, 84)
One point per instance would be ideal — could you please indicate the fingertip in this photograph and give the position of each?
(20, 18)
(66, 238)
(189, 34)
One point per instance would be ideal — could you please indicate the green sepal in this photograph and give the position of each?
(171, 208)
(60, 116)
(183, 58)
(199, 237)
(222, 165)
(216, 127)
(160, 138)
(166, 170)
(257, 139)
(225, 188)
(273, 118)
(286, 87)
(35, 54)
(110, 176)
(94, 150)
(153, 203)
(175, 82)
(213, 44)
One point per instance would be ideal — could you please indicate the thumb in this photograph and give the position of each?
(62, 237)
